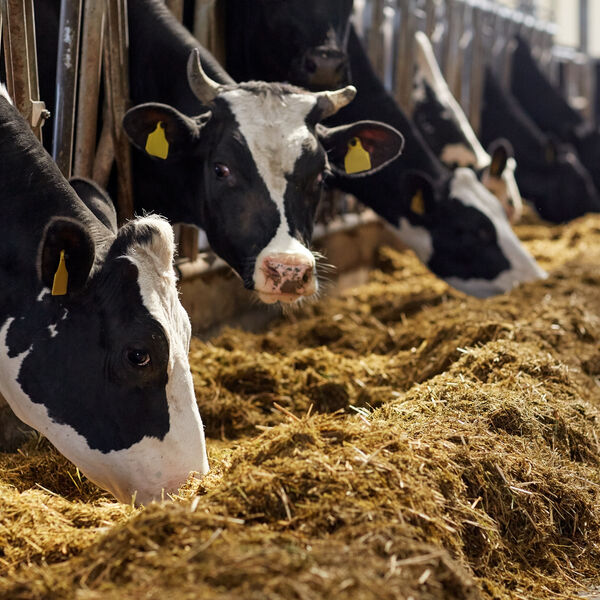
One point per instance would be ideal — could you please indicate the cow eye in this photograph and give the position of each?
(138, 358)
(221, 171)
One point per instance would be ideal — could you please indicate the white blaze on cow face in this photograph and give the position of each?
(468, 190)
(274, 127)
(151, 467)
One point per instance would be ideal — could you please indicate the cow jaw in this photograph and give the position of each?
(523, 267)
(154, 463)
(285, 269)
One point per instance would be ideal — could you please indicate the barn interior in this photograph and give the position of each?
(394, 439)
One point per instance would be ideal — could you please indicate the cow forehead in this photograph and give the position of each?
(274, 126)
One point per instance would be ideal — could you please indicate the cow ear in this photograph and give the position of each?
(500, 151)
(162, 131)
(419, 193)
(360, 148)
(66, 256)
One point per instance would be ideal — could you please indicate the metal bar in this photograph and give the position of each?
(431, 8)
(66, 84)
(176, 7)
(89, 88)
(405, 54)
(375, 38)
(477, 67)
(584, 11)
(116, 63)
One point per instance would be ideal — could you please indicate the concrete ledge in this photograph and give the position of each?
(213, 295)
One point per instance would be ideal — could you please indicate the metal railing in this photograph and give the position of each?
(466, 35)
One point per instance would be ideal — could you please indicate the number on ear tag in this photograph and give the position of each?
(357, 158)
(417, 204)
(61, 277)
(156, 144)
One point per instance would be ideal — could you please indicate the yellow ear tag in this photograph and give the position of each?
(357, 158)
(417, 204)
(156, 144)
(61, 277)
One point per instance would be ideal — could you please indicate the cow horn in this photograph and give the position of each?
(202, 85)
(331, 102)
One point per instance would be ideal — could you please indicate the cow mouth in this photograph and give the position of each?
(273, 297)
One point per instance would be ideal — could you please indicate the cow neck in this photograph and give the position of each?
(502, 116)
(383, 191)
(32, 191)
(529, 85)
(373, 101)
(159, 49)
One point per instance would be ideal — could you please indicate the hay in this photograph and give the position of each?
(400, 441)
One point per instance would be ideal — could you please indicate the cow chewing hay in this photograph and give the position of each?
(402, 440)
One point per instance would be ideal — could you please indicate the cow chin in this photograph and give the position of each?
(285, 272)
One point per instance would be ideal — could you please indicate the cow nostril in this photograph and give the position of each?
(310, 65)
(306, 277)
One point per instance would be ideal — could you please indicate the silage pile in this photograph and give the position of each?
(401, 441)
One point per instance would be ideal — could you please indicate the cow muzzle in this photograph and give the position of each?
(285, 277)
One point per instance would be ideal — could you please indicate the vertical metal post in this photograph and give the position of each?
(584, 11)
(66, 84)
(89, 88)
(116, 54)
(375, 38)
(431, 8)
(176, 7)
(477, 67)
(18, 25)
(405, 55)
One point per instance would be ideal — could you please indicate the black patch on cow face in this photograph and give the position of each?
(464, 240)
(437, 124)
(94, 346)
(465, 243)
(237, 212)
(303, 193)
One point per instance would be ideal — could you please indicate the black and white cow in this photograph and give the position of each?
(550, 111)
(244, 162)
(94, 358)
(445, 127)
(456, 227)
(549, 173)
(303, 42)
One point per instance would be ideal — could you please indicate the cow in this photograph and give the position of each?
(529, 84)
(443, 124)
(549, 173)
(303, 42)
(244, 162)
(456, 227)
(93, 339)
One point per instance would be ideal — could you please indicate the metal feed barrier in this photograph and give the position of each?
(466, 35)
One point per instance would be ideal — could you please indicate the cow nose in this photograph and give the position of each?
(325, 67)
(287, 277)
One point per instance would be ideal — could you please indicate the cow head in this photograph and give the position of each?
(499, 178)
(445, 127)
(304, 41)
(252, 168)
(100, 367)
(462, 234)
(556, 182)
